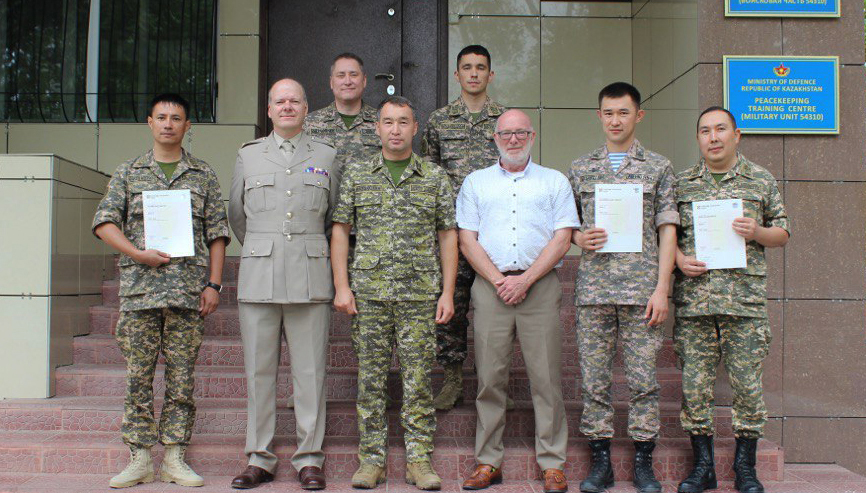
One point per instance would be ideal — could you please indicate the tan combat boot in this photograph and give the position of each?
(368, 476)
(175, 470)
(139, 469)
(452, 391)
(422, 475)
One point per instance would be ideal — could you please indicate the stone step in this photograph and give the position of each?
(230, 382)
(219, 483)
(229, 417)
(228, 351)
(103, 453)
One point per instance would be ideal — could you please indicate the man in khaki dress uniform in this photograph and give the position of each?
(283, 188)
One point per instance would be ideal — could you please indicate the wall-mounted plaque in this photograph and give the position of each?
(783, 95)
(782, 8)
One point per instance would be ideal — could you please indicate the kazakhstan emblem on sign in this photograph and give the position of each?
(781, 70)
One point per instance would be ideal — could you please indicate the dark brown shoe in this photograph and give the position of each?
(311, 478)
(251, 477)
(554, 481)
(484, 476)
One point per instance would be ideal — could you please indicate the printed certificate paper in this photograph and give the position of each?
(168, 222)
(716, 243)
(619, 210)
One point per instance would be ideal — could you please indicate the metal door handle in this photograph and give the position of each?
(384, 76)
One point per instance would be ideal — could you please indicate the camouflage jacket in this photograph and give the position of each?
(460, 144)
(355, 144)
(396, 257)
(623, 278)
(740, 292)
(178, 283)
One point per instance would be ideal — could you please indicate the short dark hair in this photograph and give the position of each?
(397, 101)
(716, 108)
(474, 50)
(618, 90)
(349, 55)
(170, 98)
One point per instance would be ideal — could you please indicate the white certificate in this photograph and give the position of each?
(619, 210)
(168, 222)
(716, 243)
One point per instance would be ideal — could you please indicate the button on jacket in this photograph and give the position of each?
(280, 211)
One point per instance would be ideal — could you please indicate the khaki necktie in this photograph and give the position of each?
(288, 150)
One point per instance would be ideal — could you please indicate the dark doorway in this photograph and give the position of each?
(401, 42)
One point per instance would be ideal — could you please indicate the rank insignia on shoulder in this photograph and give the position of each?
(317, 171)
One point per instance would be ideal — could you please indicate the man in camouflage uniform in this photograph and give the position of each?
(400, 207)
(163, 300)
(722, 313)
(348, 124)
(459, 138)
(622, 293)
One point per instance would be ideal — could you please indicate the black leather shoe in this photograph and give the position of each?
(311, 478)
(251, 477)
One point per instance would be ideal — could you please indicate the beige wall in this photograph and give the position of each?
(52, 267)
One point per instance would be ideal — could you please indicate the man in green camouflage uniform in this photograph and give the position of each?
(722, 313)
(348, 124)
(623, 294)
(459, 138)
(163, 300)
(400, 207)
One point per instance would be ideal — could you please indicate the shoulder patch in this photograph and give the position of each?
(257, 141)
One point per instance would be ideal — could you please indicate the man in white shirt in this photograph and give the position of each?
(515, 220)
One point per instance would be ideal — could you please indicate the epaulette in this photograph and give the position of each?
(260, 139)
(319, 140)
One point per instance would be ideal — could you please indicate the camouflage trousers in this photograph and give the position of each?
(451, 338)
(742, 343)
(375, 329)
(141, 335)
(597, 329)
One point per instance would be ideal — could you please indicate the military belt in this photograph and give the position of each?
(285, 227)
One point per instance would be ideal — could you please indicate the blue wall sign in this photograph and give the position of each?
(782, 8)
(783, 95)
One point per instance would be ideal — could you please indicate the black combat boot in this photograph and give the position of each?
(600, 472)
(703, 475)
(744, 466)
(644, 478)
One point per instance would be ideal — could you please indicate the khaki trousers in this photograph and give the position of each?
(306, 330)
(535, 321)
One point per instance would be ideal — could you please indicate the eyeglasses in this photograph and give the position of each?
(520, 134)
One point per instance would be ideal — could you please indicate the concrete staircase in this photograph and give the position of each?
(77, 432)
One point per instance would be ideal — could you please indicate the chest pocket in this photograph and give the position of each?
(259, 194)
(753, 205)
(688, 194)
(368, 195)
(316, 190)
(453, 144)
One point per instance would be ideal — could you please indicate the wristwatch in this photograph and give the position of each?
(214, 285)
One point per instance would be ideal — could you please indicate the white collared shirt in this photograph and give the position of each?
(516, 214)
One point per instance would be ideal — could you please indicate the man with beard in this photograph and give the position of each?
(516, 219)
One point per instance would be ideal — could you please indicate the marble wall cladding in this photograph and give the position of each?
(52, 267)
(4, 137)
(815, 439)
(218, 145)
(665, 43)
(238, 17)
